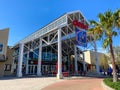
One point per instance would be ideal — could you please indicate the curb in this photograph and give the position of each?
(106, 87)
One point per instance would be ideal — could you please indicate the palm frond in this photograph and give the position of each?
(117, 18)
(106, 43)
(114, 33)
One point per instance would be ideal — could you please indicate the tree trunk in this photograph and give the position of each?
(113, 62)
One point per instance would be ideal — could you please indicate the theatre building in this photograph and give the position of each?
(49, 50)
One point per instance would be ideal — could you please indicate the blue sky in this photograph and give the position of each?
(24, 17)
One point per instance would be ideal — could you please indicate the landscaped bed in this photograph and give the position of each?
(109, 82)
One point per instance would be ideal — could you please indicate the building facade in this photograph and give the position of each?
(6, 60)
(50, 48)
(90, 59)
(9, 63)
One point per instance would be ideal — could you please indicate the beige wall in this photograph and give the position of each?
(3, 40)
(1, 69)
(9, 61)
(87, 57)
(90, 58)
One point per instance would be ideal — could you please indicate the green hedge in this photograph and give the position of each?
(109, 82)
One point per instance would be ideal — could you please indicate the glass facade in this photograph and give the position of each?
(46, 56)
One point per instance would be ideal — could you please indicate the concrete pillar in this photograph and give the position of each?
(84, 67)
(59, 73)
(27, 63)
(96, 58)
(76, 58)
(39, 58)
(20, 59)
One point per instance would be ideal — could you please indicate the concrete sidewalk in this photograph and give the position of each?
(50, 83)
(31, 83)
(77, 84)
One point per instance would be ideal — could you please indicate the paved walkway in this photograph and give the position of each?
(32, 83)
(77, 84)
(50, 83)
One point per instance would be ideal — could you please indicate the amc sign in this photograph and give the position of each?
(80, 24)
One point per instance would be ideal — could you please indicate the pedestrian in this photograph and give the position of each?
(101, 71)
(110, 71)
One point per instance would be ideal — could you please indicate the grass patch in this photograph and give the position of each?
(109, 82)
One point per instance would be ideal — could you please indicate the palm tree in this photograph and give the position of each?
(106, 28)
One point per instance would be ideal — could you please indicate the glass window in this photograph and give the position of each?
(1, 48)
(7, 67)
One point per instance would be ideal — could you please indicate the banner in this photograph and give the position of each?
(81, 37)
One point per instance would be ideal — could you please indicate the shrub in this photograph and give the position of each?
(109, 82)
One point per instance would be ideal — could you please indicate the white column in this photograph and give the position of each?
(76, 58)
(27, 63)
(96, 58)
(39, 58)
(20, 59)
(84, 68)
(59, 73)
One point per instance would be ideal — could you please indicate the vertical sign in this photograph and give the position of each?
(81, 37)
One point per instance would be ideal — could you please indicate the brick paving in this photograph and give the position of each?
(77, 84)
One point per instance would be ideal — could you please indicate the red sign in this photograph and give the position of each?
(80, 24)
(35, 62)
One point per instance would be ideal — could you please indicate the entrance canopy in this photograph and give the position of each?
(49, 34)
(64, 22)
